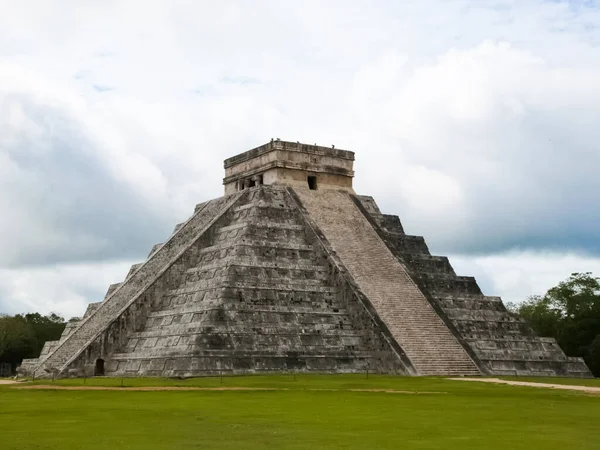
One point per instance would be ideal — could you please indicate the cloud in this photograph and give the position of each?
(516, 275)
(475, 122)
(65, 288)
(61, 199)
(495, 141)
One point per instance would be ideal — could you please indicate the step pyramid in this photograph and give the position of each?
(292, 271)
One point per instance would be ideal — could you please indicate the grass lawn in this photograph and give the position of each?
(312, 412)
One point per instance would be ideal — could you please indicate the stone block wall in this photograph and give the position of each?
(270, 280)
(411, 320)
(501, 343)
(104, 328)
(255, 293)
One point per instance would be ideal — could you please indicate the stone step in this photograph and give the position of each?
(133, 269)
(155, 247)
(231, 363)
(72, 325)
(264, 208)
(247, 354)
(260, 225)
(488, 329)
(261, 256)
(267, 231)
(264, 212)
(529, 357)
(268, 272)
(481, 315)
(408, 315)
(510, 339)
(105, 315)
(291, 309)
(91, 308)
(111, 289)
(233, 320)
(259, 243)
(433, 265)
(449, 284)
(177, 227)
(262, 252)
(255, 295)
(393, 225)
(247, 262)
(272, 282)
(476, 302)
(241, 340)
(253, 329)
(287, 287)
(408, 244)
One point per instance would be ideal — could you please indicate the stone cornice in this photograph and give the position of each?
(288, 146)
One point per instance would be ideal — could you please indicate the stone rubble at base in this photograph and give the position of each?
(292, 271)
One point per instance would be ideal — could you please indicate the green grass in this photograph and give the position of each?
(448, 415)
(287, 381)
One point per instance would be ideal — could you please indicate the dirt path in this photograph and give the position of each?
(7, 382)
(183, 388)
(566, 387)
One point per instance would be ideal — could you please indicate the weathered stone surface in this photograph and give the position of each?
(289, 163)
(261, 297)
(128, 304)
(293, 272)
(414, 324)
(501, 343)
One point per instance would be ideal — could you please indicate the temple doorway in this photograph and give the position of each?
(99, 368)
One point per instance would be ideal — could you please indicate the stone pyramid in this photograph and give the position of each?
(292, 271)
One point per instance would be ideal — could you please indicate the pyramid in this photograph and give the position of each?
(291, 270)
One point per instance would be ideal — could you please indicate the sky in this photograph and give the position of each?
(474, 121)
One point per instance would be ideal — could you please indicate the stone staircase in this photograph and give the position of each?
(259, 298)
(137, 281)
(417, 328)
(502, 343)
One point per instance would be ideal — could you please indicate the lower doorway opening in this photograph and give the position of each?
(99, 368)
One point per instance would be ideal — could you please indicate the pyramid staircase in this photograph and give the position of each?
(415, 325)
(242, 287)
(257, 299)
(276, 278)
(500, 342)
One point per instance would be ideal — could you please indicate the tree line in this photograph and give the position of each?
(22, 336)
(570, 313)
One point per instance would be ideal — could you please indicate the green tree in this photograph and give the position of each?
(23, 336)
(46, 328)
(17, 340)
(544, 317)
(570, 313)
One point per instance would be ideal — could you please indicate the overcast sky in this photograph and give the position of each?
(477, 122)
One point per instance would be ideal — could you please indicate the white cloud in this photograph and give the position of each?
(516, 275)
(475, 121)
(65, 289)
(514, 135)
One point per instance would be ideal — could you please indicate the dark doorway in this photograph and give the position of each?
(312, 183)
(99, 369)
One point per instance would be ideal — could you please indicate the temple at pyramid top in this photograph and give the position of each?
(292, 164)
